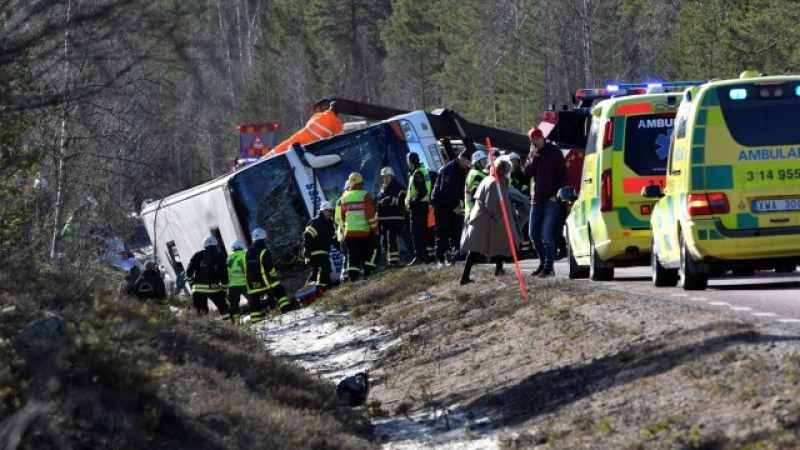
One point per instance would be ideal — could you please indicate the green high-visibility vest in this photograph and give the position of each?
(412, 189)
(355, 218)
(236, 272)
(474, 179)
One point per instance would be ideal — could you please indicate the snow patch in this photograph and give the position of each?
(325, 344)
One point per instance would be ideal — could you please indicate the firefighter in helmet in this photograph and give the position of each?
(207, 275)
(262, 280)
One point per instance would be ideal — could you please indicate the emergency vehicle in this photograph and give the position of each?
(282, 193)
(627, 147)
(731, 200)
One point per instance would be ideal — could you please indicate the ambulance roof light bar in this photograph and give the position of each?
(664, 84)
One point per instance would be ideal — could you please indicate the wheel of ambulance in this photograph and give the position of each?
(690, 280)
(575, 271)
(596, 270)
(662, 277)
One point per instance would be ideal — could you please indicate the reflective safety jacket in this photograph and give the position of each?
(391, 202)
(150, 285)
(322, 125)
(357, 216)
(207, 271)
(318, 237)
(419, 188)
(474, 178)
(235, 265)
(259, 269)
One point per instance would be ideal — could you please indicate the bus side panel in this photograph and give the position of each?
(186, 222)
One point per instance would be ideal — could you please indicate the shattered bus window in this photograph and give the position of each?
(267, 196)
(365, 151)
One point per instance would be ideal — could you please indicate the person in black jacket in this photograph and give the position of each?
(318, 238)
(150, 285)
(446, 199)
(391, 215)
(207, 275)
(262, 279)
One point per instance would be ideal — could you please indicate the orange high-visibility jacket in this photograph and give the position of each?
(321, 125)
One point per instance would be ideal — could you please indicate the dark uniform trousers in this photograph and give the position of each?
(448, 233)
(320, 270)
(360, 251)
(419, 231)
(390, 232)
(200, 302)
(235, 294)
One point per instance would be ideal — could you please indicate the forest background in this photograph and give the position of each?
(114, 101)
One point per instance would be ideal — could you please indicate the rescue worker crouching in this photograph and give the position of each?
(150, 285)
(207, 275)
(418, 205)
(359, 227)
(262, 279)
(391, 215)
(318, 238)
(237, 285)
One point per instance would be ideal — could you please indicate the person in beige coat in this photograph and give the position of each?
(486, 233)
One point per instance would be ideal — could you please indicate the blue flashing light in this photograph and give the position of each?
(797, 91)
(665, 84)
(612, 87)
(741, 94)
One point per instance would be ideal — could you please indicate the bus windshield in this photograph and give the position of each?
(266, 195)
(365, 151)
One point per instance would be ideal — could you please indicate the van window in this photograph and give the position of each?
(174, 258)
(760, 115)
(680, 123)
(647, 140)
(221, 247)
(591, 143)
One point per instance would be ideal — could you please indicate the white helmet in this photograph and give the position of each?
(479, 155)
(210, 241)
(326, 205)
(259, 234)
(387, 171)
(237, 245)
(513, 156)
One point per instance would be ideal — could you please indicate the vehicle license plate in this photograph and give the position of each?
(776, 204)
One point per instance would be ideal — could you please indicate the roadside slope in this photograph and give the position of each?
(574, 366)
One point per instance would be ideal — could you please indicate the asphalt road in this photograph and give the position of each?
(766, 296)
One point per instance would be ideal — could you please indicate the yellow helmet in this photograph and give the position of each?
(749, 74)
(355, 178)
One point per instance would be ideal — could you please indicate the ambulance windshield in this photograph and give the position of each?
(647, 143)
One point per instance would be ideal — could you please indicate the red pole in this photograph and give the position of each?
(506, 222)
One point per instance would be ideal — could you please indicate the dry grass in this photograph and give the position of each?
(119, 374)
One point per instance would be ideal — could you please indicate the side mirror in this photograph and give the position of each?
(567, 194)
(652, 191)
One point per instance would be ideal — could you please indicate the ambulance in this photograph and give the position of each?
(609, 221)
(731, 200)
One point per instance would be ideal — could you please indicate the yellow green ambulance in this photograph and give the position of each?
(609, 222)
(732, 195)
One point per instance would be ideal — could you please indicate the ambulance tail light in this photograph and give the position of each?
(608, 132)
(708, 204)
(606, 192)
